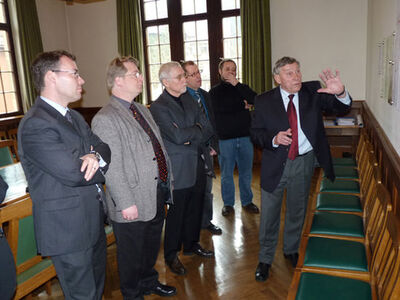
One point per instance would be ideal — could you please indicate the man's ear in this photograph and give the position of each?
(277, 79)
(49, 77)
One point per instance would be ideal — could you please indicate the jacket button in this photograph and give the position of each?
(154, 158)
(155, 178)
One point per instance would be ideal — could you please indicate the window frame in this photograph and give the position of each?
(8, 28)
(175, 22)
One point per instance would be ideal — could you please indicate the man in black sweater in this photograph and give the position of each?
(231, 101)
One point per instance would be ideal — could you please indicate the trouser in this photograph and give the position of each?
(82, 273)
(138, 244)
(208, 202)
(296, 179)
(183, 221)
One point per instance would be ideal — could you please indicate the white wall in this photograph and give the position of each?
(321, 34)
(381, 23)
(89, 31)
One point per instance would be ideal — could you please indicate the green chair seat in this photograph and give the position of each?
(335, 254)
(337, 224)
(108, 229)
(339, 202)
(345, 172)
(36, 269)
(340, 186)
(344, 161)
(314, 286)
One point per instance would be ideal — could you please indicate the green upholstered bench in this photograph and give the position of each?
(338, 202)
(345, 172)
(335, 254)
(344, 161)
(315, 286)
(340, 186)
(327, 223)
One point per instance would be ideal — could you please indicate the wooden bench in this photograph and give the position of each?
(32, 269)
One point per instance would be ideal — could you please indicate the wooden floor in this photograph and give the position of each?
(231, 274)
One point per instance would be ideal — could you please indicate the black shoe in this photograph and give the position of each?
(161, 290)
(176, 266)
(200, 251)
(214, 229)
(251, 208)
(227, 210)
(262, 271)
(293, 258)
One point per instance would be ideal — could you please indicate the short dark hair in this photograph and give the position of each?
(44, 62)
(186, 63)
(223, 61)
(286, 60)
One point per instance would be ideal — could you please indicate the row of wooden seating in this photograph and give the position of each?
(8, 147)
(350, 247)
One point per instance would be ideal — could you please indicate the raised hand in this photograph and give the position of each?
(332, 82)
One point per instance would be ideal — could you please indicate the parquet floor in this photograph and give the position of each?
(231, 274)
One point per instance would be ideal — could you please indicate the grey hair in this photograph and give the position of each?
(166, 68)
(286, 60)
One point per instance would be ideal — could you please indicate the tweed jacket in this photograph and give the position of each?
(133, 174)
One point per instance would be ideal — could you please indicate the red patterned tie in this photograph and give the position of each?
(161, 162)
(292, 116)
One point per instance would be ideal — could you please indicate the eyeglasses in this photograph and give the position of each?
(72, 72)
(194, 74)
(136, 74)
(179, 77)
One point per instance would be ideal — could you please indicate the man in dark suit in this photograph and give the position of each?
(288, 126)
(64, 164)
(185, 130)
(193, 81)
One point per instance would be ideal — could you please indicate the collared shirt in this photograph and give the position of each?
(123, 102)
(304, 143)
(196, 95)
(61, 109)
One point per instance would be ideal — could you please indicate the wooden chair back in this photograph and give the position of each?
(8, 152)
(12, 134)
(3, 135)
(32, 270)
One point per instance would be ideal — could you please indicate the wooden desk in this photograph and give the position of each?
(15, 177)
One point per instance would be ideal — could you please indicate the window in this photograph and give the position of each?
(9, 97)
(200, 30)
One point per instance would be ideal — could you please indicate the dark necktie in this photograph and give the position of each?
(161, 162)
(68, 116)
(200, 103)
(292, 116)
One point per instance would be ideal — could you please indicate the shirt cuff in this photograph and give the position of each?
(346, 100)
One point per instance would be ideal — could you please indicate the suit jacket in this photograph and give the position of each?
(270, 117)
(214, 139)
(182, 137)
(133, 175)
(67, 212)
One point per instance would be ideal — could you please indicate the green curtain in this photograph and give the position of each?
(30, 41)
(130, 39)
(256, 44)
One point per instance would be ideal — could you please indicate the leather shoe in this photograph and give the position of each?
(161, 290)
(176, 266)
(200, 251)
(251, 208)
(262, 271)
(227, 210)
(214, 229)
(293, 258)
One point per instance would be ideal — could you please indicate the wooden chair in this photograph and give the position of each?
(12, 134)
(383, 284)
(8, 152)
(3, 135)
(32, 269)
(336, 255)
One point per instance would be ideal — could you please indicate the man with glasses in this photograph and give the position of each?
(202, 98)
(185, 130)
(138, 181)
(64, 163)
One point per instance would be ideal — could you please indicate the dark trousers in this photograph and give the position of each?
(183, 221)
(82, 274)
(8, 278)
(138, 244)
(208, 202)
